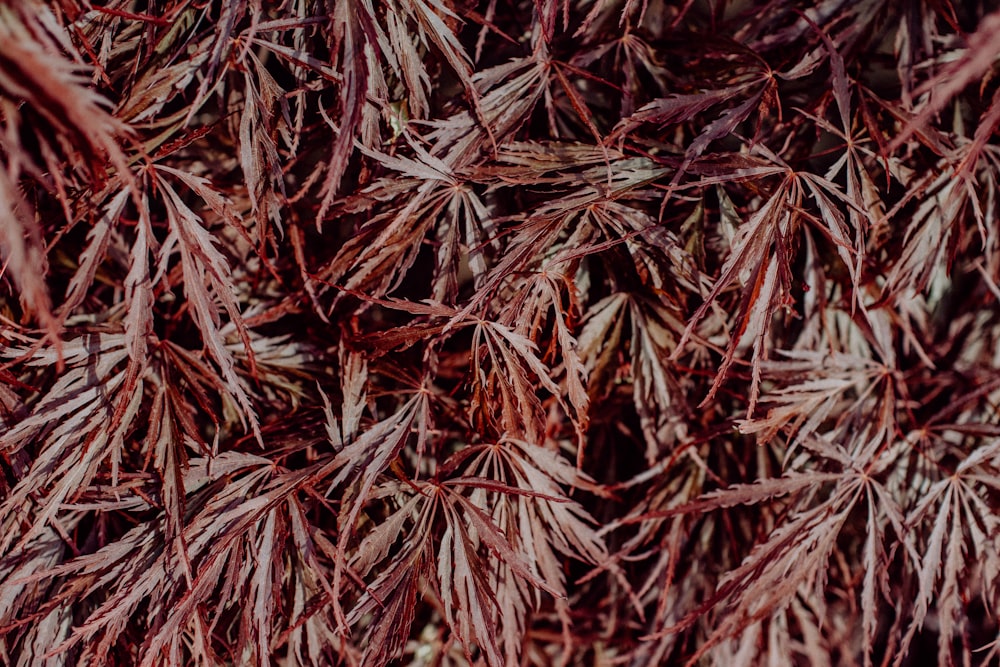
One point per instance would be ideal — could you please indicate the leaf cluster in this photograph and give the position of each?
(448, 332)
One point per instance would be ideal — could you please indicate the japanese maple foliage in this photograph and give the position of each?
(460, 332)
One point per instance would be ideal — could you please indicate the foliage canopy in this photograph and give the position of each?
(461, 332)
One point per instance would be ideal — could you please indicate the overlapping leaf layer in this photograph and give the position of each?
(499, 332)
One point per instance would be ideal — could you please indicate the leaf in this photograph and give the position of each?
(202, 262)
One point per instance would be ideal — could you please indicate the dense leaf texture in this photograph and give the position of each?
(499, 332)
